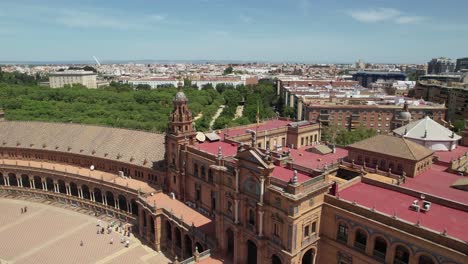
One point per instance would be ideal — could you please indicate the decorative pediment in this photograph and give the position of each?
(254, 157)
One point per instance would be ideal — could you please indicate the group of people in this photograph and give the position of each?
(118, 228)
(24, 209)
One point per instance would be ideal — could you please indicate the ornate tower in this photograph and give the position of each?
(181, 117)
(179, 134)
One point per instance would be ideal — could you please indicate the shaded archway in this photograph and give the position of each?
(50, 184)
(380, 248)
(178, 238)
(62, 186)
(12, 179)
(199, 247)
(251, 252)
(275, 260)
(73, 189)
(97, 195)
(168, 231)
(122, 202)
(401, 255)
(424, 259)
(308, 257)
(37, 182)
(188, 246)
(110, 199)
(134, 206)
(2, 181)
(360, 240)
(85, 190)
(230, 243)
(25, 181)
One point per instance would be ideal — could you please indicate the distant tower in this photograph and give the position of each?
(180, 132)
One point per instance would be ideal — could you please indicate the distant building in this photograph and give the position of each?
(365, 78)
(155, 82)
(462, 64)
(453, 95)
(451, 77)
(381, 117)
(85, 78)
(440, 65)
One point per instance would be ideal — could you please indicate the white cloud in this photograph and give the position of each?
(384, 15)
(409, 19)
(374, 15)
(245, 19)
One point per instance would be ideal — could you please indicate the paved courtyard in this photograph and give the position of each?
(51, 234)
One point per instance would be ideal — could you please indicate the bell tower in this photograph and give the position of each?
(179, 134)
(181, 117)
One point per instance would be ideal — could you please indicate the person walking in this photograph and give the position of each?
(81, 243)
(25, 209)
(112, 241)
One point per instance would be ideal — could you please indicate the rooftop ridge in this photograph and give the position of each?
(83, 124)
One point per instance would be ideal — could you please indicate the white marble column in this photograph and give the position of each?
(80, 192)
(262, 188)
(260, 223)
(19, 182)
(236, 211)
(116, 204)
(91, 194)
(237, 180)
(7, 181)
(67, 189)
(31, 184)
(129, 207)
(104, 200)
(44, 185)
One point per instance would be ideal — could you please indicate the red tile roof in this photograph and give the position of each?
(267, 125)
(181, 210)
(388, 202)
(437, 181)
(447, 156)
(228, 149)
(285, 174)
(307, 159)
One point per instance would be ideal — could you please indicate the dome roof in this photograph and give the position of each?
(180, 96)
(405, 116)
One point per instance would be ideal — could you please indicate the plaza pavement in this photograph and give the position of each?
(49, 234)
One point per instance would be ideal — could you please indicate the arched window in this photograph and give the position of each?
(382, 164)
(380, 248)
(423, 259)
(401, 255)
(252, 187)
(342, 234)
(229, 208)
(360, 240)
(203, 171)
(251, 217)
(210, 175)
(195, 170)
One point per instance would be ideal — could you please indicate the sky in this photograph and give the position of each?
(313, 31)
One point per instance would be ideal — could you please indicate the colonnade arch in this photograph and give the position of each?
(86, 193)
(12, 179)
(188, 246)
(97, 195)
(49, 184)
(110, 199)
(308, 257)
(73, 189)
(37, 182)
(62, 187)
(25, 181)
(122, 202)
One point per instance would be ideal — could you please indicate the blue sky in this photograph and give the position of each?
(404, 31)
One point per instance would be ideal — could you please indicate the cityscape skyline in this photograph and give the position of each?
(218, 30)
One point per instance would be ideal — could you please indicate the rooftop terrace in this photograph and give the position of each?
(438, 218)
